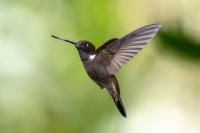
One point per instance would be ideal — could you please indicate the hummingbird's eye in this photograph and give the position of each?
(85, 45)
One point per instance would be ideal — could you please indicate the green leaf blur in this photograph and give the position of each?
(45, 89)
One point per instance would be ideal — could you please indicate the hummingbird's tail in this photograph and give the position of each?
(114, 92)
(120, 105)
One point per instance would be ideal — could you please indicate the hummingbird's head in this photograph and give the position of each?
(82, 46)
(85, 46)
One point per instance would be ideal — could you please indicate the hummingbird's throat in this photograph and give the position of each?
(91, 57)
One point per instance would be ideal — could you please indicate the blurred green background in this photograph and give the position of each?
(43, 85)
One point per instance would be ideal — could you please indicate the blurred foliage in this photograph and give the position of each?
(45, 89)
(179, 42)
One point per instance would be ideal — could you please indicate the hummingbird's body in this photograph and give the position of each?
(102, 63)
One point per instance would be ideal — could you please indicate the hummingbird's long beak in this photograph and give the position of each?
(63, 39)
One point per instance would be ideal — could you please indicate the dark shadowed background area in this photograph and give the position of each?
(43, 85)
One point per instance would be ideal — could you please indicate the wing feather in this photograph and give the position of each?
(122, 50)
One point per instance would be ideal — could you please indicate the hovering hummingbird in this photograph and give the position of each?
(101, 64)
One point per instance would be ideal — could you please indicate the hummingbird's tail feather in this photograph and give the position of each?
(113, 90)
(114, 79)
(120, 105)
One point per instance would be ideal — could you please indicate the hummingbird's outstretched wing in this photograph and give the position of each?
(117, 52)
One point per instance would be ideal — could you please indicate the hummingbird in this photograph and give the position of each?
(101, 64)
